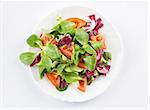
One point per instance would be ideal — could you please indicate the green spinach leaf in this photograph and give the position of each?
(67, 27)
(27, 57)
(81, 36)
(60, 68)
(45, 62)
(71, 77)
(54, 64)
(64, 27)
(89, 49)
(51, 51)
(96, 45)
(90, 62)
(73, 68)
(39, 43)
(31, 41)
(42, 71)
(62, 89)
(107, 56)
(76, 56)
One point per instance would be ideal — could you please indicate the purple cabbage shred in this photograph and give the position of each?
(99, 55)
(89, 73)
(98, 25)
(36, 60)
(67, 39)
(92, 17)
(103, 69)
(63, 83)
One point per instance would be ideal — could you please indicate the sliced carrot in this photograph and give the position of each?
(96, 38)
(53, 41)
(99, 38)
(54, 78)
(45, 39)
(81, 63)
(82, 84)
(78, 22)
(66, 51)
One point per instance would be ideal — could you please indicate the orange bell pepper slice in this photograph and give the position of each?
(78, 22)
(45, 39)
(67, 51)
(82, 84)
(53, 78)
(99, 38)
(81, 63)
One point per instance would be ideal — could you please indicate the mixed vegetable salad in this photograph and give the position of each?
(72, 51)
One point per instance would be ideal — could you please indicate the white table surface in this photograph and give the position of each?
(18, 88)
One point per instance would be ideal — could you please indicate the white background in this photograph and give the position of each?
(18, 88)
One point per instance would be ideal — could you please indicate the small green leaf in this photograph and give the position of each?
(76, 56)
(96, 45)
(96, 73)
(67, 27)
(51, 51)
(103, 61)
(54, 64)
(54, 33)
(71, 77)
(55, 28)
(27, 57)
(64, 58)
(77, 47)
(31, 41)
(90, 62)
(81, 36)
(46, 62)
(107, 56)
(39, 43)
(89, 49)
(64, 27)
(60, 68)
(73, 68)
(62, 89)
(42, 71)
(90, 80)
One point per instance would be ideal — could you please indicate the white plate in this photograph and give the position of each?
(72, 94)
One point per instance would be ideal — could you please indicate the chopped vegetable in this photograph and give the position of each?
(36, 60)
(31, 41)
(103, 68)
(89, 73)
(65, 50)
(90, 62)
(54, 78)
(81, 36)
(27, 57)
(79, 23)
(107, 56)
(51, 51)
(71, 77)
(82, 84)
(66, 40)
(63, 85)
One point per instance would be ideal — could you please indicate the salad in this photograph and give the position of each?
(73, 51)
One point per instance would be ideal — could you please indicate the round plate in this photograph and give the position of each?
(114, 44)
